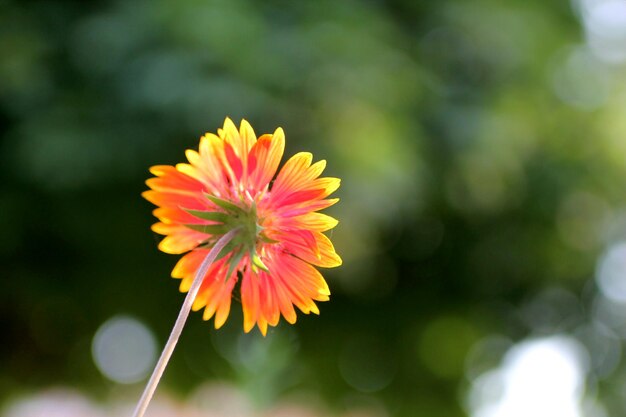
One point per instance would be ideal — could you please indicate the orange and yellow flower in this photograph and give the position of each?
(229, 184)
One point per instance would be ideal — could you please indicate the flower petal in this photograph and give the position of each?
(187, 266)
(292, 174)
(307, 207)
(236, 168)
(180, 241)
(248, 136)
(322, 255)
(177, 200)
(300, 282)
(310, 221)
(249, 300)
(263, 160)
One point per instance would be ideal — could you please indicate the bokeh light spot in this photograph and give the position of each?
(539, 378)
(581, 80)
(59, 402)
(611, 273)
(611, 314)
(604, 347)
(552, 310)
(124, 350)
(605, 24)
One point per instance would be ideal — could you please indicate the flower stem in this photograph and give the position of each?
(180, 323)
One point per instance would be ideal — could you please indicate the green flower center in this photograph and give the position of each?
(242, 218)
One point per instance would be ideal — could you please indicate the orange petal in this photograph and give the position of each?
(299, 281)
(230, 161)
(298, 197)
(187, 265)
(285, 304)
(260, 303)
(210, 163)
(247, 136)
(270, 308)
(171, 215)
(293, 173)
(324, 255)
(212, 182)
(301, 274)
(262, 324)
(223, 309)
(249, 300)
(310, 221)
(179, 239)
(264, 158)
(303, 193)
(169, 178)
(176, 200)
(304, 207)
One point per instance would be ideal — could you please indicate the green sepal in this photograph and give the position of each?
(266, 239)
(215, 216)
(257, 262)
(230, 246)
(226, 205)
(209, 229)
(233, 263)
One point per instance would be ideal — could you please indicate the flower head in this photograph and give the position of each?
(229, 184)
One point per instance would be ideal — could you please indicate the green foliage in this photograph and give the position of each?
(480, 144)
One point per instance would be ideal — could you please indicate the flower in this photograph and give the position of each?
(229, 184)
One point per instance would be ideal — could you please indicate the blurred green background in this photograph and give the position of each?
(482, 150)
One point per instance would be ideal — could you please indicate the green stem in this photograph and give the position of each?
(148, 392)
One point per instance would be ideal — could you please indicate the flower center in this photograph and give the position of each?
(242, 218)
(249, 228)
